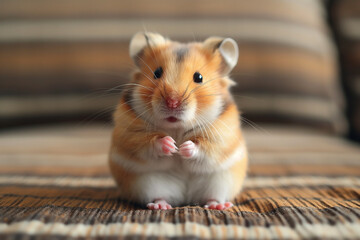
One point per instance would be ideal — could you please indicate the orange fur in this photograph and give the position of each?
(136, 132)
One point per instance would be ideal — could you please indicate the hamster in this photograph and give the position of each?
(177, 138)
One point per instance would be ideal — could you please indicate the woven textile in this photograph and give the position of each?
(56, 53)
(55, 184)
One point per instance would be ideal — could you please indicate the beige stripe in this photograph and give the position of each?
(350, 27)
(162, 229)
(53, 160)
(296, 106)
(63, 131)
(271, 141)
(53, 105)
(264, 30)
(59, 181)
(313, 158)
(324, 110)
(250, 182)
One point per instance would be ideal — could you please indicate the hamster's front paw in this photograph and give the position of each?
(165, 146)
(188, 149)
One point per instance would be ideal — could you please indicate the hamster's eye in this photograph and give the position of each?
(197, 77)
(158, 73)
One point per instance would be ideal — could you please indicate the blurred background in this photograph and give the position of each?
(299, 60)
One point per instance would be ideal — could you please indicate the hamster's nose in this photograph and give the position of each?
(172, 102)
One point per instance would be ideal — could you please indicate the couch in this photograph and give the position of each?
(297, 87)
(55, 184)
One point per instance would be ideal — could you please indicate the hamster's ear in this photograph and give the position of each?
(141, 40)
(227, 48)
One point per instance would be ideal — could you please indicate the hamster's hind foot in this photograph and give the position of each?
(215, 205)
(159, 204)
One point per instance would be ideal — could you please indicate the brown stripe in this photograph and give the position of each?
(284, 59)
(20, 235)
(285, 84)
(113, 56)
(187, 214)
(99, 171)
(97, 237)
(351, 55)
(67, 104)
(84, 197)
(89, 84)
(302, 13)
(346, 9)
(71, 57)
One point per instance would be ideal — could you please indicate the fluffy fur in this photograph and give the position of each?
(193, 153)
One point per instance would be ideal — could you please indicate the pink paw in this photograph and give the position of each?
(215, 205)
(166, 146)
(159, 204)
(188, 149)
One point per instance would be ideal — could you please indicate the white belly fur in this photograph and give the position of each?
(171, 181)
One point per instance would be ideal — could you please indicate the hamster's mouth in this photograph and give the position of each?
(172, 119)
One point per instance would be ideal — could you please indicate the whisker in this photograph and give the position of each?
(152, 50)
(200, 126)
(193, 90)
(254, 125)
(148, 77)
(210, 95)
(97, 114)
(203, 124)
(206, 126)
(130, 101)
(130, 84)
(147, 110)
(193, 127)
(213, 126)
(124, 113)
(187, 87)
(142, 60)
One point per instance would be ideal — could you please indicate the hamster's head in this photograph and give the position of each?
(180, 85)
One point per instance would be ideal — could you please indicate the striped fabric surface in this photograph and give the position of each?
(346, 20)
(55, 184)
(57, 52)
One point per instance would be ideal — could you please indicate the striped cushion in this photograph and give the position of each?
(55, 184)
(346, 21)
(287, 69)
